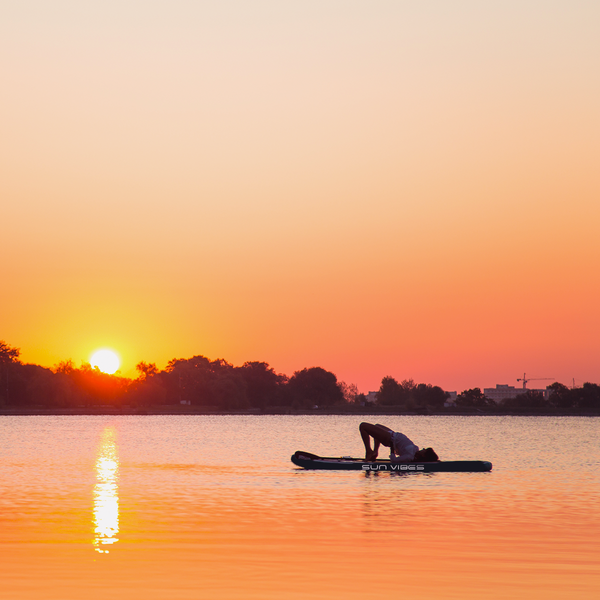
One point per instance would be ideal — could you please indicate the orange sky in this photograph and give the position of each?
(386, 188)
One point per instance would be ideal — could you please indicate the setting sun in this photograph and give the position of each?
(106, 360)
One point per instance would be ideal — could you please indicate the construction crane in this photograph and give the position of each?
(525, 380)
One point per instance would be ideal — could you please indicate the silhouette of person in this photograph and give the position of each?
(402, 449)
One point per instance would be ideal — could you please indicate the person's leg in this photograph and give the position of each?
(379, 433)
(364, 429)
(384, 427)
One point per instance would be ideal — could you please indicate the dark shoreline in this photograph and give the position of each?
(390, 411)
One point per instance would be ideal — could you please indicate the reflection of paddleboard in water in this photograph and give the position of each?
(307, 460)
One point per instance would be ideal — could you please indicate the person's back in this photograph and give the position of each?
(403, 449)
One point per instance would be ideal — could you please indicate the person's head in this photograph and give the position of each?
(426, 455)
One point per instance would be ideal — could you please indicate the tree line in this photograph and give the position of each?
(559, 398)
(410, 396)
(220, 386)
(197, 381)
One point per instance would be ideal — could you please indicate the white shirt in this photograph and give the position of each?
(402, 448)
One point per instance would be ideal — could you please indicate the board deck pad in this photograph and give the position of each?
(306, 460)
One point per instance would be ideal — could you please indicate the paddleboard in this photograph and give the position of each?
(306, 460)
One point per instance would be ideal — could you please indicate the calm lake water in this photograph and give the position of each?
(203, 507)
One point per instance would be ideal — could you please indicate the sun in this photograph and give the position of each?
(106, 360)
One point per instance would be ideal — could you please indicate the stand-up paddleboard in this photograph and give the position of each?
(306, 460)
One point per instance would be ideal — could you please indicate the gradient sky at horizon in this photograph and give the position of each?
(384, 188)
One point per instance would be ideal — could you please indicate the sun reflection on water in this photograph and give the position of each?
(106, 492)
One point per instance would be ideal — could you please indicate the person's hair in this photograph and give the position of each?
(428, 455)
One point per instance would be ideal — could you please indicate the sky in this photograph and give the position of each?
(386, 188)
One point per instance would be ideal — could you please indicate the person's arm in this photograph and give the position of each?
(407, 456)
(403, 458)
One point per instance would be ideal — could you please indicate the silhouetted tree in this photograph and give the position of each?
(263, 384)
(9, 357)
(530, 400)
(45, 388)
(431, 396)
(66, 367)
(588, 397)
(148, 389)
(361, 400)
(146, 370)
(8, 354)
(349, 391)
(561, 396)
(206, 383)
(64, 391)
(390, 392)
(410, 395)
(474, 398)
(69, 387)
(98, 388)
(189, 380)
(314, 387)
(20, 388)
(228, 391)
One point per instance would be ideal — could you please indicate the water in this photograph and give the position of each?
(188, 507)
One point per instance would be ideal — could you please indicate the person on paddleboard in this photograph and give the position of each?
(401, 448)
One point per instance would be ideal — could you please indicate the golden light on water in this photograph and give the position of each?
(106, 493)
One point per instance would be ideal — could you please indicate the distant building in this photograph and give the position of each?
(504, 392)
(372, 397)
(451, 401)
